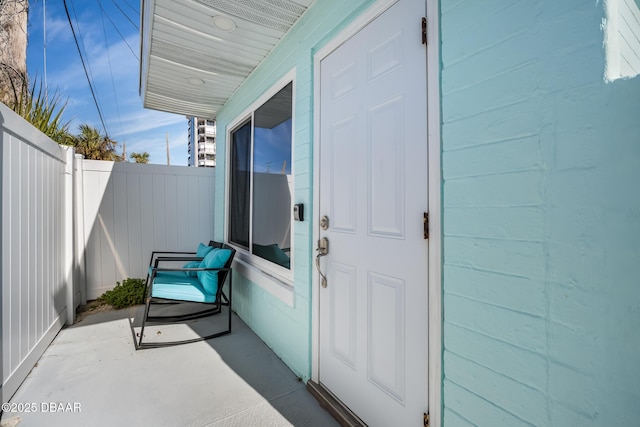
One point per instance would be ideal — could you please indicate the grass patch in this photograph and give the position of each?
(129, 292)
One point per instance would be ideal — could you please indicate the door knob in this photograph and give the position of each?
(323, 249)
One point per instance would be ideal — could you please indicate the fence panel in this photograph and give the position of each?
(54, 255)
(34, 297)
(131, 209)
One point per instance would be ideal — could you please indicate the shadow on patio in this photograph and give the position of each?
(92, 369)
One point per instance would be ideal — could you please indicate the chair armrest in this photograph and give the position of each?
(180, 258)
(165, 253)
(175, 259)
(155, 269)
(171, 252)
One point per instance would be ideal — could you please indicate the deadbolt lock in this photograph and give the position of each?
(324, 222)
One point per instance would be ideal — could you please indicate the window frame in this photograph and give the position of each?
(271, 269)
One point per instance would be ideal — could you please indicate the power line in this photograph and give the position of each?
(44, 46)
(131, 7)
(118, 31)
(95, 100)
(125, 15)
(113, 84)
(81, 39)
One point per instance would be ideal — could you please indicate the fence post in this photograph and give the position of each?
(78, 221)
(68, 233)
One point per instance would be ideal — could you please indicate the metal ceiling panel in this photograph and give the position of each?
(196, 53)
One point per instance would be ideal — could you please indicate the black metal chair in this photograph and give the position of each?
(192, 291)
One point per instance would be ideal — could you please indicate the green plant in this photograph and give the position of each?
(42, 110)
(95, 146)
(130, 292)
(140, 157)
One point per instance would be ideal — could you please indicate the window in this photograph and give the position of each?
(261, 183)
(622, 39)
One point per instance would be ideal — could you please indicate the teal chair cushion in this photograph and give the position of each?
(216, 258)
(180, 288)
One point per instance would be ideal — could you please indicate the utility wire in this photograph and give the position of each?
(44, 47)
(113, 84)
(125, 15)
(118, 31)
(95, 100)
(136, 11)
(81, 39)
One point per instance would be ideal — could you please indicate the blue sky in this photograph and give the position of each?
(114, 73)
(272, 148)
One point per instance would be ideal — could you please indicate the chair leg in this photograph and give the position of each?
(226, 301)
(146, 285)
(229, 300)
(144, 321)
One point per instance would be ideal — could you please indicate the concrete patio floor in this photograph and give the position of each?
(91, 375)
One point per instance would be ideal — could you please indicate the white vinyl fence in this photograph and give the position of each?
(131, 210)
(35, 267)
(71, 228)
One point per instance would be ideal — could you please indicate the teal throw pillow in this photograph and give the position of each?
(192, 264)
(217, 258)
(272, 253)
(203, 250)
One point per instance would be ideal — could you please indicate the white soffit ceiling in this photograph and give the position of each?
(195, 53)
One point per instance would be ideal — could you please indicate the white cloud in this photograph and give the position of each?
(58, 30)
(147, 120)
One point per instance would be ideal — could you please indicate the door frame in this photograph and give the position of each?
(434, 194)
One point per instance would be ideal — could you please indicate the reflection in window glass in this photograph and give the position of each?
(240, 186)
(270, 186)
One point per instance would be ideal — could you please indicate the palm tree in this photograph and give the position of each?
(140, 157)
(95, 146)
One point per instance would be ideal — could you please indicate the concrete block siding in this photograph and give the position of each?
(541, 218)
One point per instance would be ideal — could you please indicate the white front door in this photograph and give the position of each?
(373, 324)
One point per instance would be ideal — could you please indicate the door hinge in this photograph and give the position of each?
(426, 419)
(425, 225)
(424, 30)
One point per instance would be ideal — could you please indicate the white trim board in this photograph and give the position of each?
(270, 284)
(434, 194)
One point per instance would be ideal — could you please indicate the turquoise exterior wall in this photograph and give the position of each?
(541, 260)
(541, 208)
(286, 330)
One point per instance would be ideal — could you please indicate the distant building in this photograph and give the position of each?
(202, 142)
